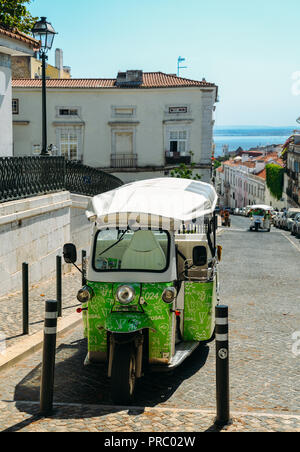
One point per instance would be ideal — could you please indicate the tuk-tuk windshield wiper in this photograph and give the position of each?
(114, 244)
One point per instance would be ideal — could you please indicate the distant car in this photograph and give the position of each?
(274, 215)
(297, 228)
(282, 220)
(236, 211)
(288, 223)
(275, 218)
(296, 224)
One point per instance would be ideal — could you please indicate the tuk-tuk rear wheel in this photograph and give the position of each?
(123, 374)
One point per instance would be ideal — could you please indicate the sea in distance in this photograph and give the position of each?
(248, 137)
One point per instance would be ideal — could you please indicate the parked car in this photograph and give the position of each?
(282, 224)
(297, 228)
(288, 223)
(280, 219)
(276, 217)
(248, 210)
(236, 211)
(295, 224)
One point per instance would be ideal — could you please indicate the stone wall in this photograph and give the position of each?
(20, 67)
(34, 230)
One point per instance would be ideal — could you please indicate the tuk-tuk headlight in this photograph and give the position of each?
(169, 294)
(125, 294)
(85, 294)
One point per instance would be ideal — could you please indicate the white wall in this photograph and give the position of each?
(34, 230)
(6, 133)
(96, 114)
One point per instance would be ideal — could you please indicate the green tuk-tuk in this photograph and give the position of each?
(152, 280)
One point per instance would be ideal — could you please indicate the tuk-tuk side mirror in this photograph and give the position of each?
(70, 253)
(199, 256)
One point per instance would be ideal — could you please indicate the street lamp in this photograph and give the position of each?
(44, 32)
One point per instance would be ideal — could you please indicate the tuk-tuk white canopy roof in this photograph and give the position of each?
(261, 206)
(173, 200)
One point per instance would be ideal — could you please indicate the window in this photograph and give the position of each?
(126, 111)
(69, 142)
(173, 110)
(116, 250)
(178, 141)
(67, 111)
(15, 106)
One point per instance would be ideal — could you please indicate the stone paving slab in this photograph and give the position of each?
(11, 323)
(24, 417)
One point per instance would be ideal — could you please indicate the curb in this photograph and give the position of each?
(34, 343)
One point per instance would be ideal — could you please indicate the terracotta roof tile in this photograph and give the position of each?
(16, 34)
(150, 80)
(262, 174)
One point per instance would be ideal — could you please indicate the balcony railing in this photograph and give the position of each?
(23, 177)
(175, 158)
(124, 160)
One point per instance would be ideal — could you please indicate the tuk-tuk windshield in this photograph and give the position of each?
(258, 212)
(116, 250)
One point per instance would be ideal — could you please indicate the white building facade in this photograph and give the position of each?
(137, 126)
(241, 183)
(11, 44)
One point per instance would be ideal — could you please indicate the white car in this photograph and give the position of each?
(289, 220)
(295, 225)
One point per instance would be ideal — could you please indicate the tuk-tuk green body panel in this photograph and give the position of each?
(199, 306)
(127, 322)
(105, 313)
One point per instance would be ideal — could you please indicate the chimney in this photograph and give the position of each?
(59, 61)
(130, 78)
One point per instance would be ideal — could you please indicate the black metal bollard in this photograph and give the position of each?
(48, 365)
(59, 284)
(25, 297)
(83, 267)
(222, 367)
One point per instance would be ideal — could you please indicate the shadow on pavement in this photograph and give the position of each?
(77, 384)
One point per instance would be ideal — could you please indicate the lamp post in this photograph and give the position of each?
(44, 32)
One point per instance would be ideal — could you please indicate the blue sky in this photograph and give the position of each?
(251, 50)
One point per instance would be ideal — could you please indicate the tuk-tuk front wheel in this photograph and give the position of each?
(123, 374)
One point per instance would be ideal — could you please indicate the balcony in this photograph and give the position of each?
(175, 158)
(123, 160)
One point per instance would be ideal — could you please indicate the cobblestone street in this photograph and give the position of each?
(11, 306)
(259, 282)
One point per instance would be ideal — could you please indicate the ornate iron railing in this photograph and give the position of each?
(23, 177)
(84, 180)
(124, 160)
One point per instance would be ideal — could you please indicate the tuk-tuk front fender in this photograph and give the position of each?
(127, 322)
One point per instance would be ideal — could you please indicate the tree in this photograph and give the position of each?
(14, 14)
(275, 179)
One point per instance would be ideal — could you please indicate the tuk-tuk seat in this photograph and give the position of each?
(144, 252)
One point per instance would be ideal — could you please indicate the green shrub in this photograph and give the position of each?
(274, 179)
